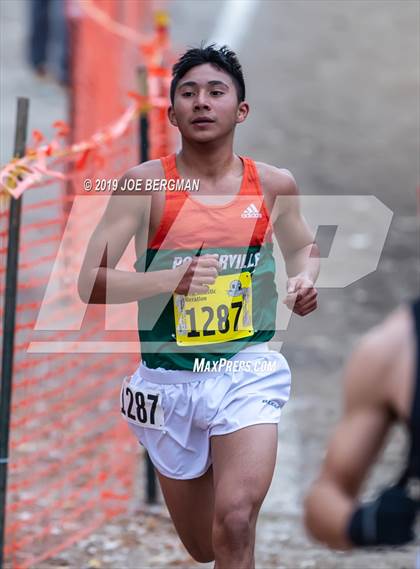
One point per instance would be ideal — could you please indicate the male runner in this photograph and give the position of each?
(382, 387)
(207, 397)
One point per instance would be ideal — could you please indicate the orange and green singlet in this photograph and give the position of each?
(240, 307)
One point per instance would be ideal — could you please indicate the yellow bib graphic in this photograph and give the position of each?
(222, 314)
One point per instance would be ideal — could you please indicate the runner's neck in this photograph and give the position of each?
(210, 166)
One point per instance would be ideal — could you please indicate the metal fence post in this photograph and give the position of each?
(151, 487)
(9, 319)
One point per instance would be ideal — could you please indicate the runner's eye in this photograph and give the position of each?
(216, 93)
(187, 94)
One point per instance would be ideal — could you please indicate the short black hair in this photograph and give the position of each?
(221, 57)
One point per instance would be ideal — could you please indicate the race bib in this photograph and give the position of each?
(141, 406)
(222, 314)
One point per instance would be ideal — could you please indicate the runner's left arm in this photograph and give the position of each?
(297, 244)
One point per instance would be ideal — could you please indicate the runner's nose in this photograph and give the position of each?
(201, 102)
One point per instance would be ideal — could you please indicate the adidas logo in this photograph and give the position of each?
(251, 211)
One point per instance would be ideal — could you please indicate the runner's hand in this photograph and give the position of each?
(198, 274)
(301, 295)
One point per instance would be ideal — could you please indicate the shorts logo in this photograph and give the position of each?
(272, 403)
(251, 211)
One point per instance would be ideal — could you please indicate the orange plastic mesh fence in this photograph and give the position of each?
(73, 461)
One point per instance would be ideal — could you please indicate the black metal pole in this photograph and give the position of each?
(151, 487)
(9, 319)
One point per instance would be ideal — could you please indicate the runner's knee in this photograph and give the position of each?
(199, 553)
(233, 527)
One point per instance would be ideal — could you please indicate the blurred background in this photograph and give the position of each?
(333, 88)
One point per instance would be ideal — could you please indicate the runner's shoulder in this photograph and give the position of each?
(278, 181)
(385, 340)
(368, 375)
(150, 170)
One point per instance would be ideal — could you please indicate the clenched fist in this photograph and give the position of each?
(301, 295)
(198, 274)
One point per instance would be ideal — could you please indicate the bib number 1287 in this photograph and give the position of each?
(222, 314)
(141, 407)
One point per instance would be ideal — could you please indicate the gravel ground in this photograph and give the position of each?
(333, 88)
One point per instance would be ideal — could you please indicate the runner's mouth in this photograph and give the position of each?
(202, 120)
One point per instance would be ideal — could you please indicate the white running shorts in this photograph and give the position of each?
(173, 414)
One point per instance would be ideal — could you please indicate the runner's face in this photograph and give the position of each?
(206, 104)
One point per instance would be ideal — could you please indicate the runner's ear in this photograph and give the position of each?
(172, 117)
(242, 112)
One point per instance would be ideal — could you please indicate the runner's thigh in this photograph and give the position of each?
(243, 466)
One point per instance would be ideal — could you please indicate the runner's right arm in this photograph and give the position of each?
(99, 281)
(125, 215)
